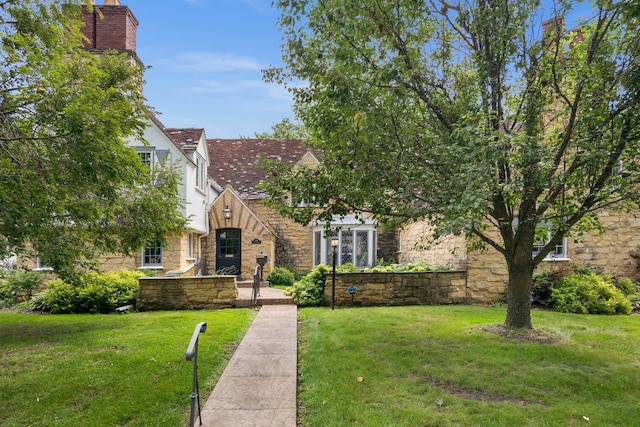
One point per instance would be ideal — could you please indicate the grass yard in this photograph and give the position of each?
(435, 366)
(110, 370)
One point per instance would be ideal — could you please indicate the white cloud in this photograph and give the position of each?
(213, 62)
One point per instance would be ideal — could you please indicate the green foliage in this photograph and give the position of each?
(70, 186)
(97, 293)
(281, 276)
(464, 115)
(630, 289)
(588, 293)
(285, 129)
(397, 268)
(347, 267)
(19, 286)
(543, 282)
(309, 291)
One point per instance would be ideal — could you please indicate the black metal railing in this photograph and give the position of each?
(192, 354)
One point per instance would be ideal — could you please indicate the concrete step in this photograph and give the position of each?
(246, 303)
(268, 296)
(249, 284)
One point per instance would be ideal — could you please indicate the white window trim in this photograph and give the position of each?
(152, 266)
(190, 246)
(552, 256)
(345, 227)
(40, 266)
(201, 172)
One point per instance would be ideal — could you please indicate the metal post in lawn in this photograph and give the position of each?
(192, 354)
(334, 245)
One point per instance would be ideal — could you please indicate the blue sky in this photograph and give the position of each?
(206, 58)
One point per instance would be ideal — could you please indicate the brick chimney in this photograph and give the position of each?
(110, 26)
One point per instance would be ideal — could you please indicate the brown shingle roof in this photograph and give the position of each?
(235, 162)
(186, 139)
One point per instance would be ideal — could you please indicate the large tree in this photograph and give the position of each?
(467, 115)
(70, 187)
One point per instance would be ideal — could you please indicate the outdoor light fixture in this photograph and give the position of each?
(227, 213)
(334, 244)
(261, 259)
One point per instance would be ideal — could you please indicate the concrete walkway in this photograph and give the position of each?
(258, 386)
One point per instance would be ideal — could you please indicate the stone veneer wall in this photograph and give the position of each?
(409, 288)
(294, 242)
(186, 293)
(256, 237)
(613, 252)
(174, 257)
(449, 250)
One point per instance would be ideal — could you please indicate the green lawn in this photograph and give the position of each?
(435, 366)
(109, 370)
(400, 366)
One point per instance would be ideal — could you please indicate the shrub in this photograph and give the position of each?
(631, 290)
(541, 288)
(309, 291)
(347, 268)
(19, 286)
(588, 293)
(97, 293)
(412, 266)
(281, 276)
(7, 297)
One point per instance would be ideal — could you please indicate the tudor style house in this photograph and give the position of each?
(230, 226)
(243, 227)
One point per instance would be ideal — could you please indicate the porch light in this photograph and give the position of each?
(227, 213)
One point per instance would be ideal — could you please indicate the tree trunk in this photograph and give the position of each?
(520, 267)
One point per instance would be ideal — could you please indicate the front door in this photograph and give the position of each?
(228, 251)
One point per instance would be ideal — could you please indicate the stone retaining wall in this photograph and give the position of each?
(408, 288)
(186, 293)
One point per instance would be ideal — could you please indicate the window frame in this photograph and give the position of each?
(157, 246)
(348, 239)
(554, 255)
(189, 253)
(201, 172)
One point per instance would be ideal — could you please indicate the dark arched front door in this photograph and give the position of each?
(228, 247)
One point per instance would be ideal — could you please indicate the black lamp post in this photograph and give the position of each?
(334, 245)
(261, 259)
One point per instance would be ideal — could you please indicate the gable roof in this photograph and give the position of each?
(186, 139)
(235, 162)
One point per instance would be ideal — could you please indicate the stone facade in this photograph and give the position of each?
(174, 257)
(617, 251)
(410, 288)
(186, 293)
(449, 250)
(293, 242)
(256, 237)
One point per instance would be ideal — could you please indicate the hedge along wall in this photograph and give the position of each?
(186, 293)
(406, 288)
